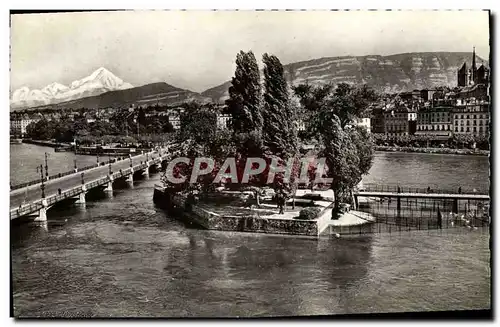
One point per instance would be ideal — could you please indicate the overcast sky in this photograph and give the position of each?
(196, 50)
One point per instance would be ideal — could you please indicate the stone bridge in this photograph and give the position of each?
(35, 200)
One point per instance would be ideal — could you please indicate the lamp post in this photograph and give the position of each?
(42, 186)
(110, 171)
(46, 166)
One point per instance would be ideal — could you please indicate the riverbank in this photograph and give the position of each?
(89, 150)
(109, 151)
(431, 150)
(44, 143)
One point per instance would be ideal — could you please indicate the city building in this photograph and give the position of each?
(435, 122)
(174, 117)
(472, 119)
(411, 96)
(427, 95)
(473, 93)
(20, 122)
(223, 121)
(377, 120)
(400, 121)
(364, 122)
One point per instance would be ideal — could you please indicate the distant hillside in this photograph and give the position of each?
(219, 93)
(394, 73)
(150, 94)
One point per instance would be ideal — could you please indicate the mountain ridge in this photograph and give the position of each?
(390, 74)
(159, 93)
(385, 73)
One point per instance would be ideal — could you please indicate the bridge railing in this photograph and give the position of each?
(372, 187)
(59, 175)
(64, 195)
(18, 186)
(25, 210)
(37, 205)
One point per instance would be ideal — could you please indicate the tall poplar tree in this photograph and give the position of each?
(245, 95)
(278, 132)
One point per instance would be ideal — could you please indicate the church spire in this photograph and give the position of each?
(474, 69)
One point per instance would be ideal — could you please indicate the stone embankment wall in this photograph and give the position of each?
(203, 217)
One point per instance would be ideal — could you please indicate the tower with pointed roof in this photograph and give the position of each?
(462, 76)
(473, 75)
(474, 68)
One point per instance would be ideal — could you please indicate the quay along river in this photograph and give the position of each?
(120, 256)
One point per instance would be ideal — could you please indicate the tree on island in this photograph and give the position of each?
(244, 105)
(252, 135)
(279, 134)
(199, 138)
(278, 131)
(245, 94)
(348, 151)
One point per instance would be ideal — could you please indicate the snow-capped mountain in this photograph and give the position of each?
(54, 89)
(100, 81)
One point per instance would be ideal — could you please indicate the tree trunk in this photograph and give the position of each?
(354, 204)
(294, 194)
(336, 206)
(257, 199)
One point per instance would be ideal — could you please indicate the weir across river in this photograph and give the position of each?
(398, 208)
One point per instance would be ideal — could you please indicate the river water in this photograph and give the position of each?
(119, 256)
(25, 158)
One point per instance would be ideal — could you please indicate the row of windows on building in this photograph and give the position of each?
(421, 127)
(396, 128)
(436, 116)
(474, 122)
(448, 118)
(434, 128)
(427, 120)
(472, 116)
(474, 129)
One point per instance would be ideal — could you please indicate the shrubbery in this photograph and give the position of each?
(457, 141)
(309, 213)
